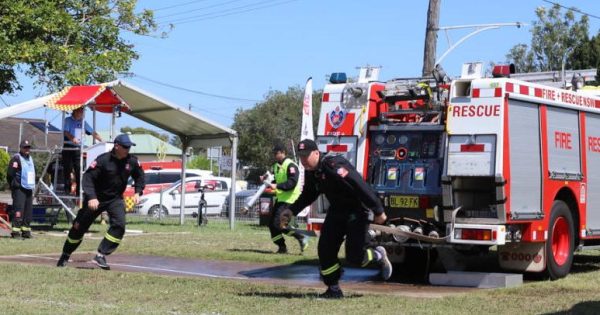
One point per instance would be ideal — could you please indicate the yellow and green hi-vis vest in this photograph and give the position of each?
(280, 171)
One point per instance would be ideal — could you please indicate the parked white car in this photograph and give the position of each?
(214, 195)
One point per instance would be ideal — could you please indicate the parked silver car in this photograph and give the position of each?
(262, 205)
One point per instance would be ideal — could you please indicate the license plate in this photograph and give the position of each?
(404, 202)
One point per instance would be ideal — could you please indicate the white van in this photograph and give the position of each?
(171, 198)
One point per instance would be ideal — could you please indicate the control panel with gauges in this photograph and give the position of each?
(404, 167)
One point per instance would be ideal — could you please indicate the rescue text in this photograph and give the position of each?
(476, 111)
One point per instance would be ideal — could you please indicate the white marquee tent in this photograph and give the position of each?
(193, 130)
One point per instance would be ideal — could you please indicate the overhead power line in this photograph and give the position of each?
(3, 101)
(177, 5)
(219, 11)
(573, 9)
(193, 91)
(227, 12)
(198, 9)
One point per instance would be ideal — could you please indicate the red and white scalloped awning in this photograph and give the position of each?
(100, 97)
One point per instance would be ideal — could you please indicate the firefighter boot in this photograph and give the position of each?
(302, 242)
(63, 260)
(282, 250)
(384, 262)
(26, 234)
(100, 260)
(333, 292)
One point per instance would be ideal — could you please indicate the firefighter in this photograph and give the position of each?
(103, 185)
(72, 132)
(21, 179)
(287, 191)
(353, 204)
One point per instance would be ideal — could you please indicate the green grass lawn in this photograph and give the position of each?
(29, 289)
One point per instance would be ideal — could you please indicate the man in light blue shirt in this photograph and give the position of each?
(21, 180)
(73, 134)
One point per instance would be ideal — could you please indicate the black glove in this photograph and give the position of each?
(283, 218)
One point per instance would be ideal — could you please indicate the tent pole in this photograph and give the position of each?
(234, 143)
(20, 136)
(112, 124)
(184, 149)
(81, 169)
(46, 127)
(62, 147)
(93, 123)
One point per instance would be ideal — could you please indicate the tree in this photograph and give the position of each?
(202, 163)
(521, 58)
(278, 118)
(67, 42)
(4, 158)
(587, 55)
(144, 131)
(554, 39)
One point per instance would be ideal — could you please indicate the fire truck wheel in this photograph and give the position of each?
(561, 241)
(416, 266)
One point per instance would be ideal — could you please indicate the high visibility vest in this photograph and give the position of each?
(280, 171)
(27, 172)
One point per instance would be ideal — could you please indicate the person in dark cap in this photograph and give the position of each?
(353, 206)
(103, 185)
(286, 188)
(73, 127)
(21, 179)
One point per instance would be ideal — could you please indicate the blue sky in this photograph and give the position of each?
(280, 43)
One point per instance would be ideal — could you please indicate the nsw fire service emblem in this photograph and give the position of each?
(336, 117)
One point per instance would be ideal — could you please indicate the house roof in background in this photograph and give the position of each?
(42, 126)
(144, 144)
(32, 130)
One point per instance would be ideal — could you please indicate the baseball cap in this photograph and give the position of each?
(123, 139)
(306, 146)
(25, 144)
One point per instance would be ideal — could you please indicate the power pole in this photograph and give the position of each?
(433, 23)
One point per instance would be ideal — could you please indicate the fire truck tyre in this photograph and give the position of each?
(561, 242)
(416, 266)
(157, 211)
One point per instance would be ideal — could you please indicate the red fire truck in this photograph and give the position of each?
(481, 162)
(522, 170)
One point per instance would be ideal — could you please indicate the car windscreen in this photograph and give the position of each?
(161, 178)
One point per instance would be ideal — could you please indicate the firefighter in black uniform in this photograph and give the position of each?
(353, 204)
(21, 179)
(103, 185)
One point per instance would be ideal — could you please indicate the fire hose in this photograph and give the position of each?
(267, 180)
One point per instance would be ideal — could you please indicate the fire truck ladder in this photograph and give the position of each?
(42, 190)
